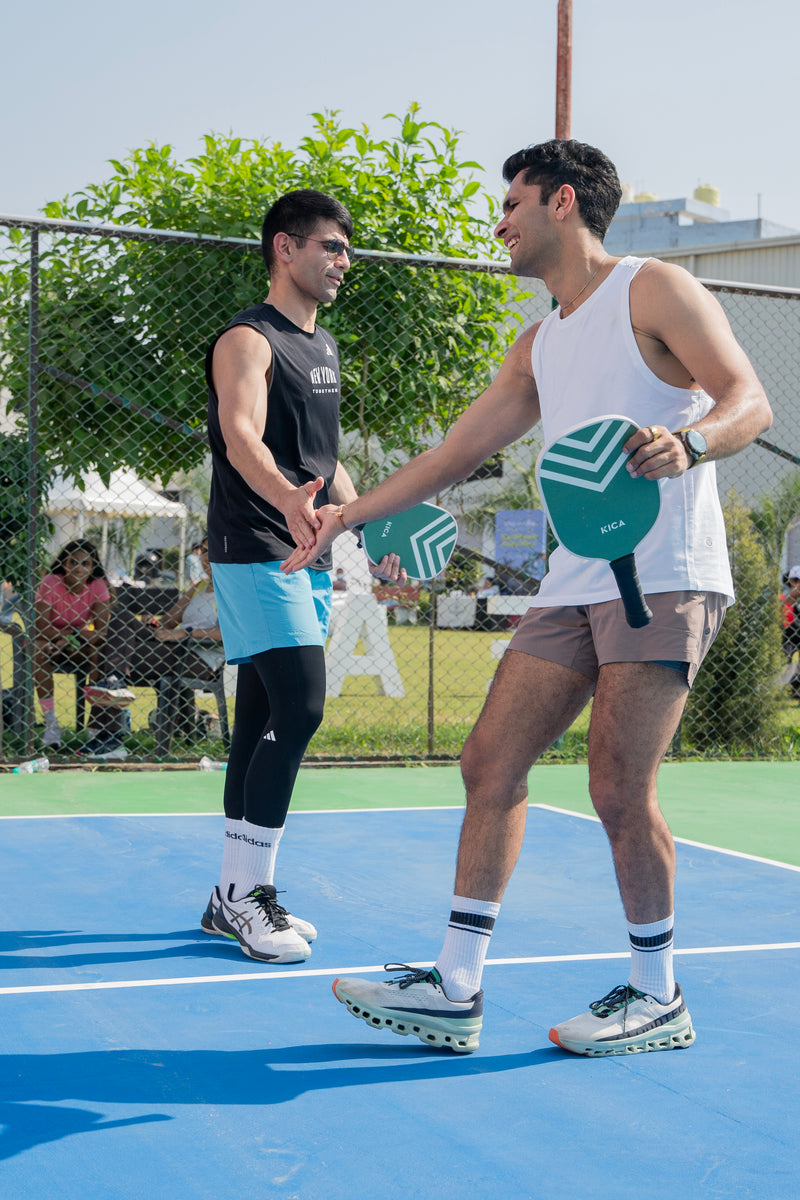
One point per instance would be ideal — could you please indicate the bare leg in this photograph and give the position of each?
(636, 710)
(530, 704)
(42, 672)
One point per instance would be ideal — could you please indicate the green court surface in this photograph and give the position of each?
(753, 808)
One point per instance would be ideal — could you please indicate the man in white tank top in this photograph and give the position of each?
(642, 338)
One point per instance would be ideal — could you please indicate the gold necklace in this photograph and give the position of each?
(585, 286)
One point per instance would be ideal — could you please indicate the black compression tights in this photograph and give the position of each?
(280, 696)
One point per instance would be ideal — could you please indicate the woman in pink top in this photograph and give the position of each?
(73, 606)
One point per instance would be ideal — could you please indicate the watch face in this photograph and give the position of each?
(696, 443)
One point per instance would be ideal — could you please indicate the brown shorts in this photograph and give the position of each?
(587, 637)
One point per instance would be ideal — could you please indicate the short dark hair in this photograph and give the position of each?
(58, 567)
(300, 212)
(585, 168)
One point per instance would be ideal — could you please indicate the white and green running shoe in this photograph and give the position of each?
(627, 1021)
(415, 1004)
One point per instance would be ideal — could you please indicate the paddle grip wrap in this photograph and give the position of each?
(637, 614)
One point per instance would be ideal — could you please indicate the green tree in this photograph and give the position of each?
(131, 319)
(735, 701)
(14, 506)
(775, 513)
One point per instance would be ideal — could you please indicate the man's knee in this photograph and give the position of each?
(486, 776)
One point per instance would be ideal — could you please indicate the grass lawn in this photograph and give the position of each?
(363, 723)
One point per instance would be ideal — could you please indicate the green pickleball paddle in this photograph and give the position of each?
(423, 536)
(595, 508)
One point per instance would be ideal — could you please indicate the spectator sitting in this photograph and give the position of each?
(73, 607)
(339, 581)
(194, 565)
(152, 654)
(791, 623)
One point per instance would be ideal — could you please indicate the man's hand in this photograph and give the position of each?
(328, 529)
(301, 517)
(389, 570)
(656, 454)
(169, 635)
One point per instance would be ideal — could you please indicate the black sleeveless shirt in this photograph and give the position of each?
(302, 432)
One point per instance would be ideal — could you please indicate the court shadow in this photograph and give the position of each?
(36, 1085)
(194, 945)
(29, 1125)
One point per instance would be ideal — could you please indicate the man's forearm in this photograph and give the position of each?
(734, 421)
(418, 480)
(258, 469)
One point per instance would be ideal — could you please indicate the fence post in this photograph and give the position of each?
(31, 575)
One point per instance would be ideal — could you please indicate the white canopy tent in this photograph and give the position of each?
(125, 496)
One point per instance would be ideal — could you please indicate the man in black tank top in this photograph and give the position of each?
(273, 425)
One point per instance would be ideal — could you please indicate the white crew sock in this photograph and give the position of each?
(466, 942)
(248, 857)
(651, 959)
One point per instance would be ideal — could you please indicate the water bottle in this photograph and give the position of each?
(208, 764)
(30, 768)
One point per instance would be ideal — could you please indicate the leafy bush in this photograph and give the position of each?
(735, 702)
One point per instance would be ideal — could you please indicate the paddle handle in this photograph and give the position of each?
(637, 613)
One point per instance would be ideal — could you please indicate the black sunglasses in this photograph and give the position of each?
(334, 246)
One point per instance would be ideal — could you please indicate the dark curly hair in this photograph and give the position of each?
(586, 169)
(88, 548)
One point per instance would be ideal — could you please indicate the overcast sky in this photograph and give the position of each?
(677, 93)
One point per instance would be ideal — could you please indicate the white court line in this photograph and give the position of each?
(335, 971)
(770, 862)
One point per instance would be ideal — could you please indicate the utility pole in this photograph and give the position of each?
(564, 69)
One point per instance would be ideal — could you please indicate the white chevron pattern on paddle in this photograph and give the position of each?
(572, 469)
(432, 545)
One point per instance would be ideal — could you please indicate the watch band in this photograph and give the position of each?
(693, 453)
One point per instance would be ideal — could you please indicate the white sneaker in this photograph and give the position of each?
(418, 1004)
(627, 1021)
(52, 735)
(260, 926)
(304, 928)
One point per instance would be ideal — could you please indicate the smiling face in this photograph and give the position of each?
(78, 566)
(316, 270)
(527, 229)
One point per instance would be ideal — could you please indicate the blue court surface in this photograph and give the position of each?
(143, 1058)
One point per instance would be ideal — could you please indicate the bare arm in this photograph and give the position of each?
(505, 411)
(670, 306)
(241, 363)
(45, 629)
(172, 618)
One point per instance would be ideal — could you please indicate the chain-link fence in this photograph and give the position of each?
(104, 473)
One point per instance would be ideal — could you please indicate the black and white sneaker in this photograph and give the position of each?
(103, 749)
(627, 1021)
(304, 928)
(415, 1004)
(207, 920)
(260, 926)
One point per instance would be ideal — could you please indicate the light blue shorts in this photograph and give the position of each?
(260, 608)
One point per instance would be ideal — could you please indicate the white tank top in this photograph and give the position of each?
(588, 365)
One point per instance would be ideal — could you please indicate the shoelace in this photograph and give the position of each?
(273, 911)
(415, 975)
(618, 997)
